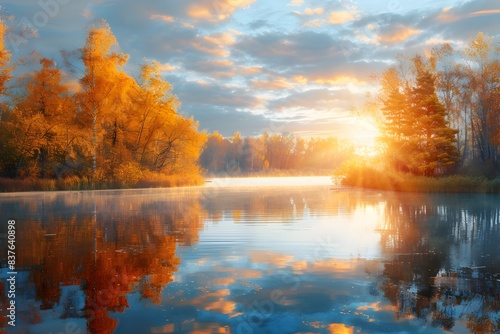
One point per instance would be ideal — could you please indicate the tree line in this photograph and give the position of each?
(106, 126)
(272, 152)
(441, 113)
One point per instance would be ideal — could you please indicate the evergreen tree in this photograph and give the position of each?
(397, 127)
(433, 139)
(416, 132)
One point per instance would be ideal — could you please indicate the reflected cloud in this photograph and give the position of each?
(271, 257)
(340, 329)
(287, 264)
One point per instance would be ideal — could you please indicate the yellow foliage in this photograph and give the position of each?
(128, 174)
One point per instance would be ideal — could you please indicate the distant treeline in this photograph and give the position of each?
(272, 152)
(90, 124)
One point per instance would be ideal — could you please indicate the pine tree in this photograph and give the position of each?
(416, 132)
(398, 126)
(433, 139)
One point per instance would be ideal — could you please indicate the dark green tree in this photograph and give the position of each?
(433, 142)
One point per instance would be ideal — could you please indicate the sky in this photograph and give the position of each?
(281, 66)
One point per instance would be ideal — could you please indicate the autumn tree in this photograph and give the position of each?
(253, 153)
(212, 157)
(234, 154)
(5, 69)
(482, 73)
(278, 150)
(105, 131)
(416, 131)
(104, 91)
(153, 106)
(159, 138)
(5, 76)
(451, 91)
(468, 85)
(46, 102)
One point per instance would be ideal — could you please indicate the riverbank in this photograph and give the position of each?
(85, 183)
(371, 178)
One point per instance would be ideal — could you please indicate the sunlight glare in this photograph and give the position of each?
(269, 181)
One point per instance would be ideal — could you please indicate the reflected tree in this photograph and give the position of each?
(420, 280)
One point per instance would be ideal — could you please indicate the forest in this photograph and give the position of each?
(439, 116)
(269, 153)
(103, 129)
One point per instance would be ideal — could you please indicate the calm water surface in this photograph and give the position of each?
(253, 256)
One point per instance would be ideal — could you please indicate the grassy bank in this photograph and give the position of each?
(371, 178)
(85, 183)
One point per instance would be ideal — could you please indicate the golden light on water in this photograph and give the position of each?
(269, 181)
(340, 329)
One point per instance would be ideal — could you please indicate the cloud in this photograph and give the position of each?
(215, 11)
(166, 67)
(396, 34)
(486, 12)
(215, 67)
(250, 70)
(216, 94)
(257, 24)
(342, 17)
(462, 21)
(311, 11)
(214, 44)
(272, 84)
(221, 39)
(314, 23)
(445, 16)
(313, 99)
(164, 18)
(295, 50)
(296, 3)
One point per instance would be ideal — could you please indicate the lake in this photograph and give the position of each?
(270, 255)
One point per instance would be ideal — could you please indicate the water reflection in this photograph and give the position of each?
(444, 267)
(254, 260)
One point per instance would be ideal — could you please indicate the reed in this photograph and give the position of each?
(73, 182)
(372, 178)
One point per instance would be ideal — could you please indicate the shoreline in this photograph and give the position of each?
(459, 184)
(209, 183)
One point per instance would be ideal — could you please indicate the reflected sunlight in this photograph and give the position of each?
(340, 329)
(354, 235)
(269, 181)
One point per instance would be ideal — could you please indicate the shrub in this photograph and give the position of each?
(127, 175)
(363, 176)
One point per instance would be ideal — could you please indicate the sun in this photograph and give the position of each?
(365, 141)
